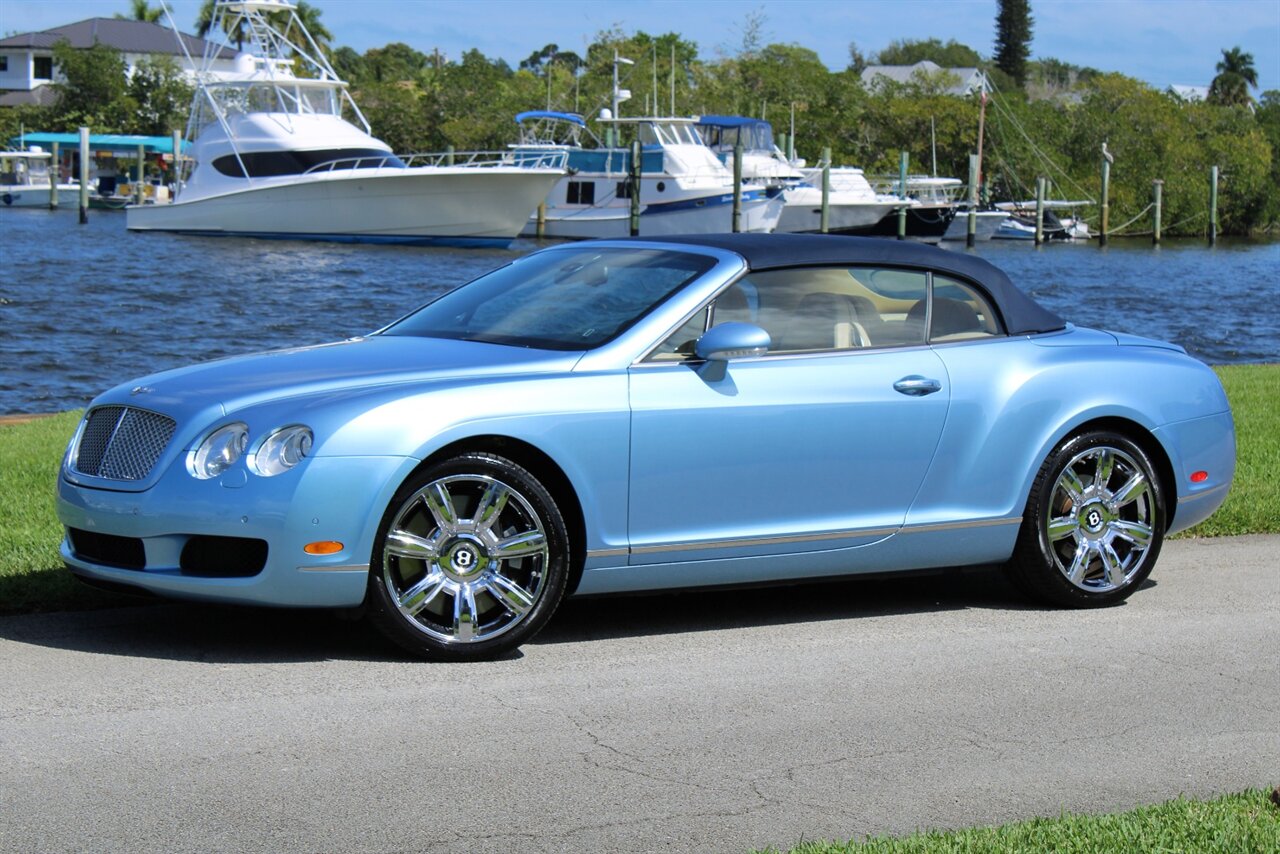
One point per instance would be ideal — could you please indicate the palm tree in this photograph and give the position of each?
(206, 22)
(309, 17)
(141, 10)
(1236, 75)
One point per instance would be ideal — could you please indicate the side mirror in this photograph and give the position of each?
(728, 341)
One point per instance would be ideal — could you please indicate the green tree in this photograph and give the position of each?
(1236, 75)
(94, 89)
(953, 54)
(348, 65)
(540, 61)
(141, 10)
(162, 95)
(1013, 38)
(393, 63)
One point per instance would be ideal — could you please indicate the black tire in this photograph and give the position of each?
(470, 561)
(1093, 525)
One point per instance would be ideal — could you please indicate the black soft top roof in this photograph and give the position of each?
(1022, 315)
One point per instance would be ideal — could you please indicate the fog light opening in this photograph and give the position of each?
(323, 547)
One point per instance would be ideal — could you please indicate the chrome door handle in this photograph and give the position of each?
(917, 386)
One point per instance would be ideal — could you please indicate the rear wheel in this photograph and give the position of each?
(471, 560)
(1093, 525)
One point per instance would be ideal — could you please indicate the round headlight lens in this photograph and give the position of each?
(219, 451)
(282, 450)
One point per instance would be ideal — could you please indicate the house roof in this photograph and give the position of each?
(123, 35)
(41, 96)
(905, 73)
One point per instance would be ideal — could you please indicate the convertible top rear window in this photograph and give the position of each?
(572, 300)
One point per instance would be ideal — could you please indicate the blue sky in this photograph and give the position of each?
(1160, 41)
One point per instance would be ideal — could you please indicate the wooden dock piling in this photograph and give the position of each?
(902, 194)
(971, 233)
(1157, 192)
(1040, 182)
(824, 214)
(84, 175)
(634, 182)
(1106, 206)
(53, 179)
(737, 186)
(1213, 206)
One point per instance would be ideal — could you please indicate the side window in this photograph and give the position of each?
(808, 309)
(960, 312)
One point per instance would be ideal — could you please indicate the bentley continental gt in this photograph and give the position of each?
(648, 414)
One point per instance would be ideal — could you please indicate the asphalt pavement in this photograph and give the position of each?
(712, 721)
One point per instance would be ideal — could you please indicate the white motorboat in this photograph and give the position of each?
(273, 156)
(1060, 220)
(684, 188)
(25, 178)
(852, 205)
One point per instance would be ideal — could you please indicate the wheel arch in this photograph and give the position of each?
(541, 466)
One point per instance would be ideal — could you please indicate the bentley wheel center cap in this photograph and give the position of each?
(464, 560)
(1094, 520)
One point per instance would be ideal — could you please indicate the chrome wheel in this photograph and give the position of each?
(465, 559)
(1102, 519)
(1093, 525)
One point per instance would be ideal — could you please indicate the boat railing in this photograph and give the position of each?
(472, 159)
(522, 158)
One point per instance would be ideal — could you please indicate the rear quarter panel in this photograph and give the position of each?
(1014, 399)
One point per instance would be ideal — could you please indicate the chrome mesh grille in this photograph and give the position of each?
(122, 443)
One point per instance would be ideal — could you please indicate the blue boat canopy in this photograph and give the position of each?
(572, 118)
(122, 143)
(730, 121)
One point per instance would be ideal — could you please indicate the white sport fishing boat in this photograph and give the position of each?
(273, 156)
(24, 181)
(684, 189)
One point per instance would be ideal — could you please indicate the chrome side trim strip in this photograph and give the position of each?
(1197, 496)
(763, 541)
(607, 552)
(350, 567)
(950, 526)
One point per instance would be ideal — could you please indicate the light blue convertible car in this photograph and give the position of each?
(651, 414)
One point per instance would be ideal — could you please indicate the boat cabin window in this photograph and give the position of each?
(668, 133)
(580, 193)
(754, 137)
(265, 164)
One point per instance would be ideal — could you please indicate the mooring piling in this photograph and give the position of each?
(1040, 190)
(84, 175)
(971, 233)
(1213, 206)
(634, 187)
(824, 216)
(902, 194)
(737, 186)
(1106, 207)
(1157, 192)
(53, 179)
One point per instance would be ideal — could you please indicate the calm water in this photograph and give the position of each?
(83, 308)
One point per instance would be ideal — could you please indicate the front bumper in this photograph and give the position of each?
(340, 499)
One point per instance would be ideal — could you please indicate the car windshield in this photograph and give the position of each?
(563, 300)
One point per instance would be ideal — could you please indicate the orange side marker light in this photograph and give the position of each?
(323, 547)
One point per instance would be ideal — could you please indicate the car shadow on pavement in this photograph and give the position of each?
(674, 612)
(224, 634)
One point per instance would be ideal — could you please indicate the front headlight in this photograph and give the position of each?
(282, 450)
(219, 451)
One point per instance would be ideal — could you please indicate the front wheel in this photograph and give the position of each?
(1093, 525)
(471, 560)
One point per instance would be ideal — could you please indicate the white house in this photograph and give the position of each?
(26, 60)
(969, 80)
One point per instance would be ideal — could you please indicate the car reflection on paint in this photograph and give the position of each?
(652, 414)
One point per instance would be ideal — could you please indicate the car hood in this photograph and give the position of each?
(234, 383)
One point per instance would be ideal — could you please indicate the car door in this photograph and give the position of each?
(821, 443)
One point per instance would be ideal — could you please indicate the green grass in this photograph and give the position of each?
(32, 577)
(31, 574)
(1247, 823)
